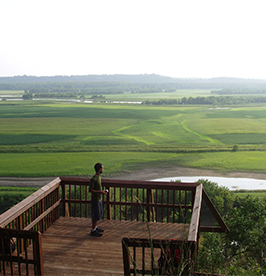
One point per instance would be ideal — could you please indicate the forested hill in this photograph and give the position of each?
(141, 78)
(146, 78)
(122, 83)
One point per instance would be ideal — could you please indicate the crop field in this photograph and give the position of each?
(11, 92)
(135, 97)
(42, 138)
(158, 95)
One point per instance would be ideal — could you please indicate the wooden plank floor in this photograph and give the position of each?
(68, 248)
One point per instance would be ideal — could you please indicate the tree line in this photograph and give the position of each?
(92, 87)
(210, 100)
(239, 91)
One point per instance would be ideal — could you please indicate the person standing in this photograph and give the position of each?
(96, 200)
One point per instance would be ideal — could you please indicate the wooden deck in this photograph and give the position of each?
(67, 247)
(70, 236)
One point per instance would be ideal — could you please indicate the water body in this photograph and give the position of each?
(232, 184)
(67, 100)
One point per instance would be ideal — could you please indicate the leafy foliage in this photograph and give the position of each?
(247, 223)
(242, 250)
(210, 100)
(10, 196)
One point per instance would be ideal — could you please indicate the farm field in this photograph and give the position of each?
(135, 97)
(51, 139)
(11, 92)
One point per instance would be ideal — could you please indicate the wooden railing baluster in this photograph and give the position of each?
(167, 214)
(120, 195)
(114, 202)
(162, 210)
(137, 204)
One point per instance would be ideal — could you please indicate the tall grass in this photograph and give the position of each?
(80, 164)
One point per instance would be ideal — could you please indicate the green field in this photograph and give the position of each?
(261, 195)
(11, 92)
(42, 138)
(135, 97)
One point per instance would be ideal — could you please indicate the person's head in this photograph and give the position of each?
(98, 168)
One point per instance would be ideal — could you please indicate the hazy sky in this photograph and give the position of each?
(180, 38)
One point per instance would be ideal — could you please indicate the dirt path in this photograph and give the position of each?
(149, 174)
(145, 174)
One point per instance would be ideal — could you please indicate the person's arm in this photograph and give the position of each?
(91, 190)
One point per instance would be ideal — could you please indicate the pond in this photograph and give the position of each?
(229, 182)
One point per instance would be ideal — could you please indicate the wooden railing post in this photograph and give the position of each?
(64, 197)
(126, 260)
(194, 224)
(38, 269)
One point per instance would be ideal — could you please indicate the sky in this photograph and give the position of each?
(176, 38)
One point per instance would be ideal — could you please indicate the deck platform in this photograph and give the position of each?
(68, 248)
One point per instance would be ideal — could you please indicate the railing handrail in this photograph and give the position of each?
(195, 219)
(17, 210)
(133, 183)
(146, 199)
(28, 202)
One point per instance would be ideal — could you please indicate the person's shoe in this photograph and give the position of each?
(99, 230)
(95, 233)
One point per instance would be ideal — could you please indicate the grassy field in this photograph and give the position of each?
(11, 92)
(178, 94)
(135, 97)
(42, 138)
(261, 195)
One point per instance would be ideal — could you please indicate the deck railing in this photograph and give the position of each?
(132, 200)
(25, 258)
(186, 263)
(158, 257)
(36, 212)
(23, 223)
(143, 201)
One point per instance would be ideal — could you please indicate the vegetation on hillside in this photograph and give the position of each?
(10, 196)
(106, 84)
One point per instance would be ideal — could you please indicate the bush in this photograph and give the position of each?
(240, 251)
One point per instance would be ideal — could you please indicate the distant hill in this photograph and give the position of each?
(102, 84)
(142, 78)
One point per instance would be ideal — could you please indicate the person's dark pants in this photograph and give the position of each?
(96, 210)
